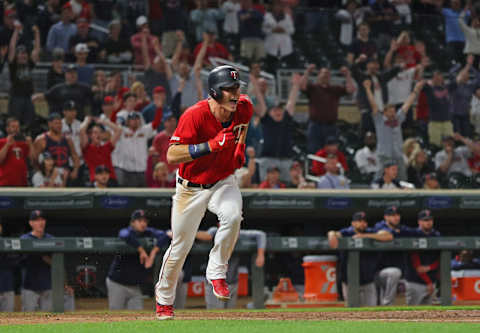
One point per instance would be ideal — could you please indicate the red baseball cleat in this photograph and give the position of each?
(220, 289)
(164, 312)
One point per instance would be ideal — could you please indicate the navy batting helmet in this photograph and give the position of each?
(222, 77)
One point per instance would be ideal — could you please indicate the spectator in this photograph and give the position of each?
(422, 273)
(10, 20)
(14, 151)
(143, 39)
(46, 17)
(381, 19)
(233, 264)
(160, 177)
(84, 71)
(277, 126)
(261, 103)
(158, 72)
(55, 73)
(278, 28)
(48, 174)
(99, 91)
(431, 182)
(330, 148)
(388, 128)
(418, 167)
(409, 148)
(368, 260)
(60, 33)
(461, 94)
(453, 160)
(296, 177)
(161, 143)
(406, 51)
(129, 103)
(471, 33)
(116, 50)
(453, 33)
(73, 90)
(389, 179)
(143, 100)
(475, 110)
(362, 45)
(438, 100)
(96, 151)
(37, 279)
(214, 49)
(331, 179)
(348, 17)
(85, 36)
(272, 181)
(21, 67)
(250, 33)
(366, 158)
(8, 261)
(380, 89)
(175, 21)
(259, 85)
(130, 156)
(323, 100)
(184, 75)
(104, 12)
(128, 271)
(102, 177)
(230, 9)
(205, 19)
(71, 127)
(107, 108)
(81, 9)
(59, 146)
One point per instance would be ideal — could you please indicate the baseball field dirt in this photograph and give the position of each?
(417, 315)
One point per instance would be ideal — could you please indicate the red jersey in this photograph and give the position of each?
(99, 155)
(13, 170)
(198, 125)
(265, 184)
(474, 163)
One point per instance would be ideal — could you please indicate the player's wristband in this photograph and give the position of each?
(199, 150)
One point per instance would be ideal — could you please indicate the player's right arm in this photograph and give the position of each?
(182, 153)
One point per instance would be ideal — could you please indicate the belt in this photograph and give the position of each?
(187, 183)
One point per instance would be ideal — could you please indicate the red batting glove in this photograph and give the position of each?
(239, 155)
(224, 139)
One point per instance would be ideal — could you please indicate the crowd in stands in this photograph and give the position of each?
(411, 66)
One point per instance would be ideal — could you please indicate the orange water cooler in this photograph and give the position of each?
(320, 278)
(466, 285)
(242, 281)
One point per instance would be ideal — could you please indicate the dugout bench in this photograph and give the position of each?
(59, 246)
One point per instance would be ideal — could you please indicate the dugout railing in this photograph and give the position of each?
(61, 246)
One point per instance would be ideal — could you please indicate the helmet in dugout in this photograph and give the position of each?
(222, 77)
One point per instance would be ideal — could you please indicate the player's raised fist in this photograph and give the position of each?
(224, 139)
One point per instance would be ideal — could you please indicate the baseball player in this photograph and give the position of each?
(37, 279)
(422, 269)
(8, 262)
(368, 260)
(392, 264)
(127, 272)
(233, 264)
(209, 144)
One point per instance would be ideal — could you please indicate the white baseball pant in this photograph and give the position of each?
(389, 278)
(188, 208)
(417, 294)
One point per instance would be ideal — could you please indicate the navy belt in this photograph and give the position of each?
(187, 183)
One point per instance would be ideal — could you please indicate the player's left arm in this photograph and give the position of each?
(381, 236)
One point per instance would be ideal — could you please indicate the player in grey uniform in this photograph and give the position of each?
(211, 300)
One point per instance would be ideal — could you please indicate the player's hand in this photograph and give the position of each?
(430, 289)
(149, 262)
(224, 139)
(143, 256)
(333, 242)
(10, 140)
(239, 155)
(260, 261)
(423, 269)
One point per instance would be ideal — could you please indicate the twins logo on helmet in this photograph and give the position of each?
(234, 75)
(222, 77)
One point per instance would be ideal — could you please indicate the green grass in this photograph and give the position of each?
(250, 326)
